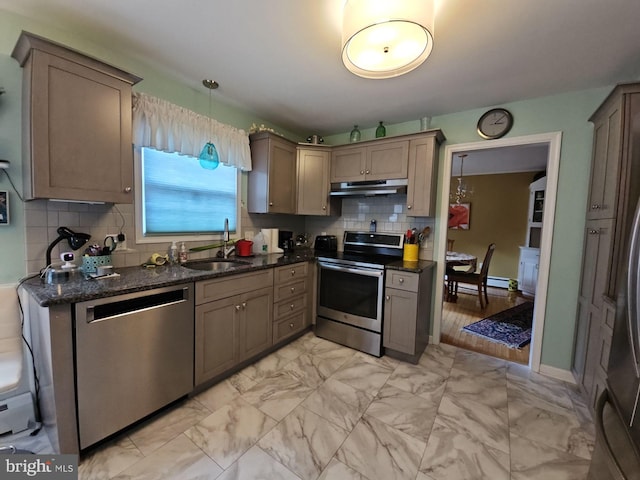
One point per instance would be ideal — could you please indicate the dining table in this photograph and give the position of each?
(458, 259)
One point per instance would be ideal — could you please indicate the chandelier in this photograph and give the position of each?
(462, 190)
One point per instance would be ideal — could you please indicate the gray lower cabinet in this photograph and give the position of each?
(233, 321)
(292, 293)
(407, 313)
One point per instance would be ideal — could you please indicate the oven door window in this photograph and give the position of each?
(351, 293)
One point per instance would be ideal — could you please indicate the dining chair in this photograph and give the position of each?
(475, 278)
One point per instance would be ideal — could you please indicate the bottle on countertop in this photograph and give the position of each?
(373, 226)
(184, 256)
(381, 131)
(173, 253)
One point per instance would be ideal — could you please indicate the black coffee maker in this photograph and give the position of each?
(285, 240)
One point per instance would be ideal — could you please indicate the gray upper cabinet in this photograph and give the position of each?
(313, 167)
(423, 174)
(272, 179)
(374, 160)
(76, 124)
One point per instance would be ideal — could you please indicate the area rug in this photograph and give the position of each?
(510, 327)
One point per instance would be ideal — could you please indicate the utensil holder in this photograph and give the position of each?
(410, 252)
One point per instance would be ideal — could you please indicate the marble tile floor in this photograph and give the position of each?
(317, 410)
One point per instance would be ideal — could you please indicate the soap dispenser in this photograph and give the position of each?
(173, 253)
(183, 253)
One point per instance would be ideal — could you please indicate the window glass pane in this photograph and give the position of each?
(179, 196)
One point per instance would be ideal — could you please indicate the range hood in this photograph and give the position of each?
(368, 188)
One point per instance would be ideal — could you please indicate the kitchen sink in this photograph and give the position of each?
(216, 264)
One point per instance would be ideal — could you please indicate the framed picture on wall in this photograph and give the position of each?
(459, 215)
(4, 208)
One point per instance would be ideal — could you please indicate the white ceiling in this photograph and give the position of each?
(281, 58)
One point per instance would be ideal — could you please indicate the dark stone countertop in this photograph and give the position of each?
(135, 279)
(414, 267)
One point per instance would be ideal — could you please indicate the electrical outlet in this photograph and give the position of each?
(121, 241)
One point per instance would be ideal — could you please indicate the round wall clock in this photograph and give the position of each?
(495, 123)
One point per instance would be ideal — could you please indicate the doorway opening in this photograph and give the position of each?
(467, 306)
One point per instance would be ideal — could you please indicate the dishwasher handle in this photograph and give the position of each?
(140, 302)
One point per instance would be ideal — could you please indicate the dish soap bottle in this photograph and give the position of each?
(381, 131)
(184, 256)
(173, 253)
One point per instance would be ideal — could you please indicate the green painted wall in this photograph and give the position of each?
(567, 113)
(155, 82)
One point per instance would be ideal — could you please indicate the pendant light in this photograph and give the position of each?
(463, 191)
(209, 156)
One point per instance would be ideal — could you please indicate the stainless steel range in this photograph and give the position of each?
(351, 289)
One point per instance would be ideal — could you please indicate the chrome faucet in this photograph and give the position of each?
(225, 238)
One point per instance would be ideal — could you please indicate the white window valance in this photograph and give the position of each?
(170, 128)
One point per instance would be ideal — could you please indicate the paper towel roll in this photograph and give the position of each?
(275, 235)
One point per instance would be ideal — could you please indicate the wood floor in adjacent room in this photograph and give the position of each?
(467, 310)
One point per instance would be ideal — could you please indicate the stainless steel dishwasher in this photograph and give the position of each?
(133, 355)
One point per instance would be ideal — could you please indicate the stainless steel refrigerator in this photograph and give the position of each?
(617, 451)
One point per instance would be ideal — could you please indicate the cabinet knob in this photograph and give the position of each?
(408, 207)
(596, 206)
(292, 306)
(244, 305)
(387, 298)
(361, 172)
(593, 231)
(401, 280)
(291, 325)
(293, 272)
(237, 308)
(127, 189)
(271, 204)
(293, 289)
(367, 172)
(324, 207)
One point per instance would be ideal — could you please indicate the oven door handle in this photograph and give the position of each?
(370, 272)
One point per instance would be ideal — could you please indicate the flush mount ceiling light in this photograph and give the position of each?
(386, 38)
(209, 156)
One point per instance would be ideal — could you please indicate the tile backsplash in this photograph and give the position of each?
(390, 215)
(43, 217)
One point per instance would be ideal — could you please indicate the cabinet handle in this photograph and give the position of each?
(401, 280)
(127, 189)
(408, 207)
(292, 306)
(593, 231)
(291, 325)
(387, 298)
(293, 289)
(596, 206)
